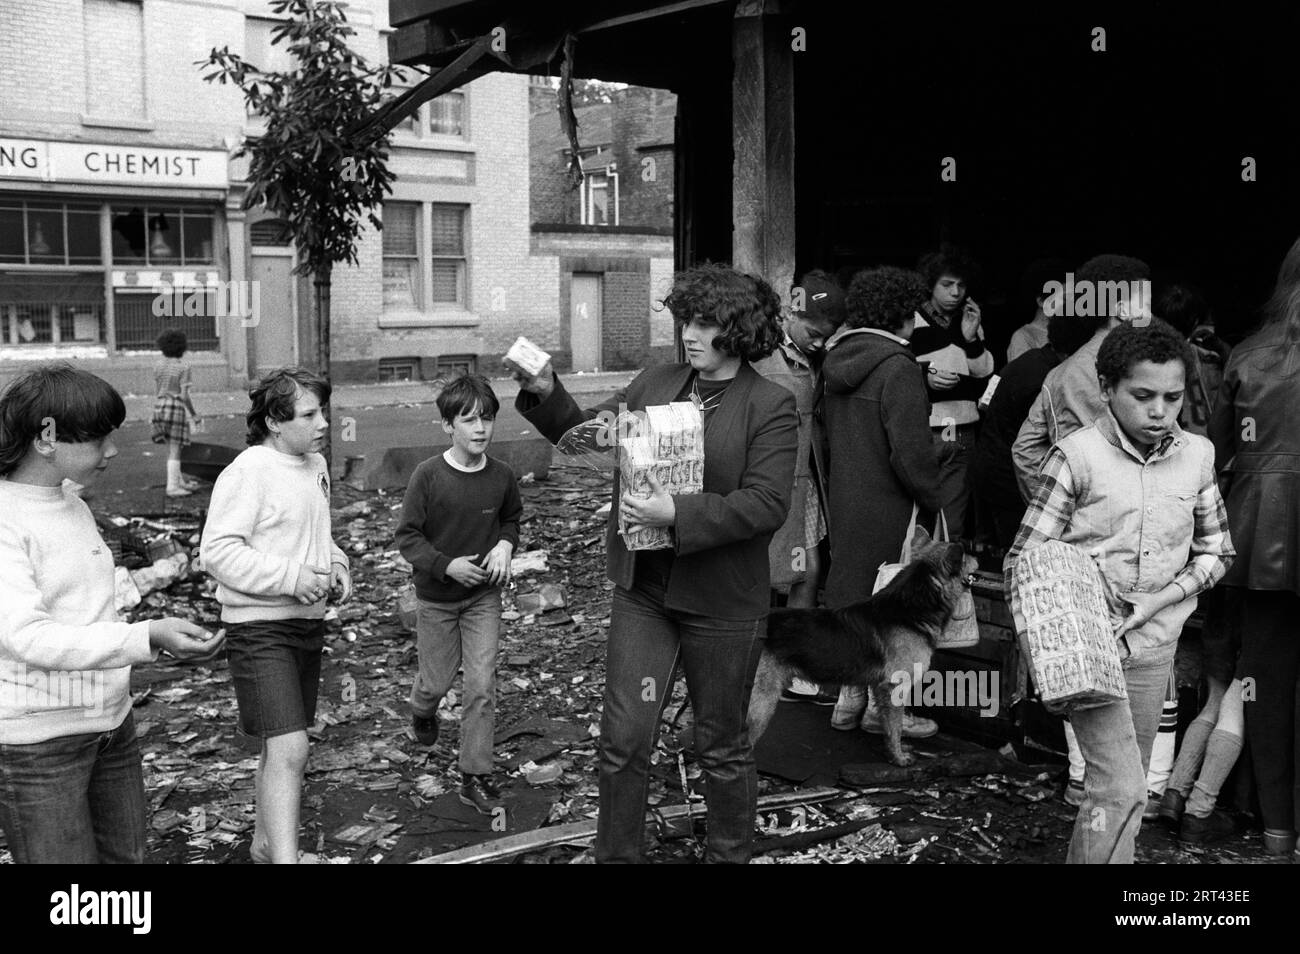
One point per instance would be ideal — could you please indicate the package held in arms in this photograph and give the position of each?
(669, 445)
(1059, 606)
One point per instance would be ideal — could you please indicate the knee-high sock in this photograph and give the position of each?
(1220, 756)
(1191, 754)
(1076, 757)
(173, 475)
(1162, 750)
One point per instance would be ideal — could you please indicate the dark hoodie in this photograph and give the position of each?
(880, 458)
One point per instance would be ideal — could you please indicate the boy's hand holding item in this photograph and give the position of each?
(497, 563)
(466, 572)
(340, 582)
(312, 585)
(181, 638)
(942, 380)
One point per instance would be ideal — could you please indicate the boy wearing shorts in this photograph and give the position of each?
(458, 530)
(267, 544)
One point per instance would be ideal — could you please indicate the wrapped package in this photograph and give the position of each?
(671, 448)
(1059, 606)
(527, 356)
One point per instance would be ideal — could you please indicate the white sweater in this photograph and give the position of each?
(65, 660)
(269, 517)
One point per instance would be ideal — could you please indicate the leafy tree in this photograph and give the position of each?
(307, 168)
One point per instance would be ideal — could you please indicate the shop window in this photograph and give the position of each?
(149, 235)
(138, 326)
(399, 369)
(49, 233)
(44, 309)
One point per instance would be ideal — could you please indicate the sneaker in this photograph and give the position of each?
(848, 708)
(1152, 811)
(479, 793)
(425, 728)
(1172, 805)
(914, 726)
(1203, 831)
(1074, 793)
(819, 698)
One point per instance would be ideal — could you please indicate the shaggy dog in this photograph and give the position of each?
(868, 643)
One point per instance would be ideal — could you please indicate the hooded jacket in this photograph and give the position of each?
(880, 458)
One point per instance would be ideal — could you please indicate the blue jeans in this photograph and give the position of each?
(1115, 740)
(447, 637)
(77, 799)
(646, 644)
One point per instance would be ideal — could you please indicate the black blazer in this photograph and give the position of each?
(722, 535)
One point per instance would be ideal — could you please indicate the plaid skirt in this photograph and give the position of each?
(170, 423)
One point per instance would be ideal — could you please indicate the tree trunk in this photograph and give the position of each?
(321, 285)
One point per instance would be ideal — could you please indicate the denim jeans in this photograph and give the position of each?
(647, 642)
(77, 799)
(447, 636)
(1115, 740)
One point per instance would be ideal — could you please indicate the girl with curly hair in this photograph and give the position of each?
(701, 604)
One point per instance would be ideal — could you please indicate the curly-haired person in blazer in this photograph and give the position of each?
(701, 605)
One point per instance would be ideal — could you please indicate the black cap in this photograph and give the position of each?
(823, 299)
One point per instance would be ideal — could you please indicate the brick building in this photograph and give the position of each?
(612, 236)
(116, 185)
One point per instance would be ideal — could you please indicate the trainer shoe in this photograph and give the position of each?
(1172, 806)
(425, 728)
(1202, 831)
(849, 708)
(818, 698)
(1074, 793)
(914, 726)
(478, 792)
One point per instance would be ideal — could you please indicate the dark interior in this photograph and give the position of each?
(1060, 151)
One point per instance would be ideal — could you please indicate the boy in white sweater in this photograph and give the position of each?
(71, 785)
(267, 544)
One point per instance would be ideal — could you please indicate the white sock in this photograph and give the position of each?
(173, 475)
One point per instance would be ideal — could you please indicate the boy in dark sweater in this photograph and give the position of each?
(458, 529)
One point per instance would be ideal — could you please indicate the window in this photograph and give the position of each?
(401, 255)
(443, 116)
(424, 256)
(597, 187)
(447, 115)
(49, 233)
(453, 365)
(447, 251)
(161, 235)
(399, 369)
(44, 309)
(267, 56)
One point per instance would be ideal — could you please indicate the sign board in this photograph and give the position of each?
(46, 161)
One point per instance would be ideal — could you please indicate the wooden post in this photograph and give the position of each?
(762, 110)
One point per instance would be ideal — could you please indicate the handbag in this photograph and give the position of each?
(962, 629)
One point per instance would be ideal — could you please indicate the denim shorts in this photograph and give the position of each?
(275, 666)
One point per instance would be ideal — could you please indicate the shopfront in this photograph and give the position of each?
(92, 234)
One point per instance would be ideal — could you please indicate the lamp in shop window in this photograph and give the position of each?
(39, 245)
(158, 246)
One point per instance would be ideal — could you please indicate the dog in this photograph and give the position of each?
(865, 643)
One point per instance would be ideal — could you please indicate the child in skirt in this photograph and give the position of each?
(172, 408)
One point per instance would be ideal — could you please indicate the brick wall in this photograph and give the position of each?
(624, 329)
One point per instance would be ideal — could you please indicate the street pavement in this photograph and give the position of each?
(377, 417)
